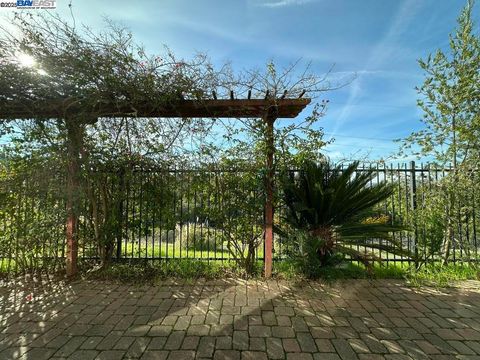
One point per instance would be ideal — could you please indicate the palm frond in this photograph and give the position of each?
(366, 258)
(335, 202)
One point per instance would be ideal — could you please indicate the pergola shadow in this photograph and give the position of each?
(229, 318)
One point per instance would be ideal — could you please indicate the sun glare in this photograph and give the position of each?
(26, 60)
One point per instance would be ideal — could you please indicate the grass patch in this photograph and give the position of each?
(12, 267)
(188, 269)
(442, 275)
(149, 272)
(436, 275)
(288, 270)
(178, 251)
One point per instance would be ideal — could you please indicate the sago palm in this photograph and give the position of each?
(331, 211)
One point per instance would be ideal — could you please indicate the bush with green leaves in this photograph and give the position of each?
(239, 214)
(331, 213)
(199, 237)
(446, 228)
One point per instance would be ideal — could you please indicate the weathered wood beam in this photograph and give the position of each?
(226, 108)
(74, 145)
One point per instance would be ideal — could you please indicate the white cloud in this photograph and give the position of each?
(356, 72)
(381, 53)
(207, 28)
(280, 3)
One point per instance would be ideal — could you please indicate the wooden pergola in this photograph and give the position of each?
(269, 109)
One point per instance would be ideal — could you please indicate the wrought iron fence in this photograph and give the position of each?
(191, 214)
(184, 213)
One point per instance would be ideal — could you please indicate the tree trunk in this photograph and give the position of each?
(326, 234)
(119, 211)
(447, 241)
(449, 234)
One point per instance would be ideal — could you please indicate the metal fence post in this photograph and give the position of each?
(413, 202)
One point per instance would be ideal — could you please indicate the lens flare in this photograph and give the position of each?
(26, 60)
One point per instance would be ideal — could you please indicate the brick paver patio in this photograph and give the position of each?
(234, 319)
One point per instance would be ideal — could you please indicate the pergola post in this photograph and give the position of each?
(74, 144)
(269, 183)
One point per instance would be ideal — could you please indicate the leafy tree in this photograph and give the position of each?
(450, 100)
(295, 139)
(240, 214)
(79, 74)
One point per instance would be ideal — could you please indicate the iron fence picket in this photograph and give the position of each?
(169, 213)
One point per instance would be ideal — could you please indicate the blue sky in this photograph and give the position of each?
(380, 40)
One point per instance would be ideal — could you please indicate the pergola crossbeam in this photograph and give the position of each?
(215, 108)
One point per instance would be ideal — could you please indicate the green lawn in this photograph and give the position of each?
(182, 263)
(173, 251)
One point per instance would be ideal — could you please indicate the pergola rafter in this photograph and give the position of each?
(74, 113)
(215, 108)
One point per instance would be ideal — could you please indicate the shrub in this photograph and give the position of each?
(331, 214)
(199, 237)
